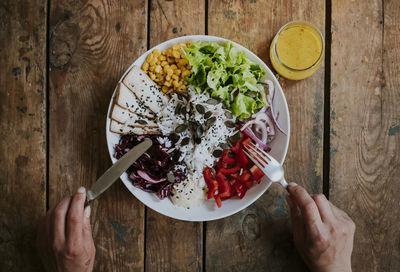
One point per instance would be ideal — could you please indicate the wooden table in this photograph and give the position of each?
(60, 62)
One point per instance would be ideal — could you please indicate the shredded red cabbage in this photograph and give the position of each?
(149, 172)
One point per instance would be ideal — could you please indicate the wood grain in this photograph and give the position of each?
(91, 45)
(173, 245)
(22, 131)
(259, 237)
(365, 128)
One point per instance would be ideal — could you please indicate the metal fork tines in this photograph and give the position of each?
(270, 167)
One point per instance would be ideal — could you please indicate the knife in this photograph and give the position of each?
(115, 171)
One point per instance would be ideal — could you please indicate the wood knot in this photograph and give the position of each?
(63, 43)
(251, 227)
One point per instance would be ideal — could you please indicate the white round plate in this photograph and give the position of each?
(209, 210)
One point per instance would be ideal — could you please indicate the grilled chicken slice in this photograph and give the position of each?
(145, 89)
(127, 129)
(126, 117)
(125, 98)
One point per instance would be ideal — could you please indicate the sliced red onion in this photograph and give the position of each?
(274, 119)
(263, 116)
(250, 133)
(146, 177)
(260, 125)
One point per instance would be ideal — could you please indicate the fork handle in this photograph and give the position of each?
(283, 183)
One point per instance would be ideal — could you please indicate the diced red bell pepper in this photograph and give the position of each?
(236, 147)
(249, 184)
(247, 141)
(240, 189)
(218, 201)
(241, 158)
(211, 182)
(256, 173)
(208, 174)
(230, 192)
(224, 187)
(230, 171)
(228, 157)
(223, 165)
(245, 176)
(212, 188)
(234, 175)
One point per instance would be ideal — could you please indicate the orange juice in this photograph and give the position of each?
(297, 50)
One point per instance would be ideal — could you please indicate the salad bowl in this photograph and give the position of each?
(208, 210)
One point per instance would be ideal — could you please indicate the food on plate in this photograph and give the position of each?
(126, 129)
(126, 99)
(234, 174)
(227, 73)
(145, 89)
(198, 132)
(202, 126)
(158, 169)
(169, 68)
(124, 116)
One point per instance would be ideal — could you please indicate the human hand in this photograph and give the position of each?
(65, 240)
(322, 233)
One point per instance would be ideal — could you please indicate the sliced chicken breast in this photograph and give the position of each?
(126, 129)
(126, 117)
(145, 89)
(125, 98)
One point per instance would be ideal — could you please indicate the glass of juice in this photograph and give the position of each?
(297, 50)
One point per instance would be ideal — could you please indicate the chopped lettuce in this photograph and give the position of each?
(220, 69)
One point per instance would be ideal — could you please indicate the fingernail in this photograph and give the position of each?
(289, 201)
(87, 211)
(81, 190)
(293, 184)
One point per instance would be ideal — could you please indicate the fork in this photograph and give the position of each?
(270, 167)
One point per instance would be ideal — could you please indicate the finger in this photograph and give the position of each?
(295, 216)
(324, 207)
(75, 217)
(309, 211)
(87, 229)
(339, 213)
(58, 220)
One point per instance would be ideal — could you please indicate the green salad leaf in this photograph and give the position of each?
(226, 73)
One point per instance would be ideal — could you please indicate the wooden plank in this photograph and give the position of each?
(259, 237)
(365, 121)
(173, 245)
(22, 131)
(91, 45)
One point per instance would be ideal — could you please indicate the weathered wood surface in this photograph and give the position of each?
(91, 45)
(173, 245)
(22, 131)
(259, 238)
(365, 127)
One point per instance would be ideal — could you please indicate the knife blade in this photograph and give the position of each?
(115, 171)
